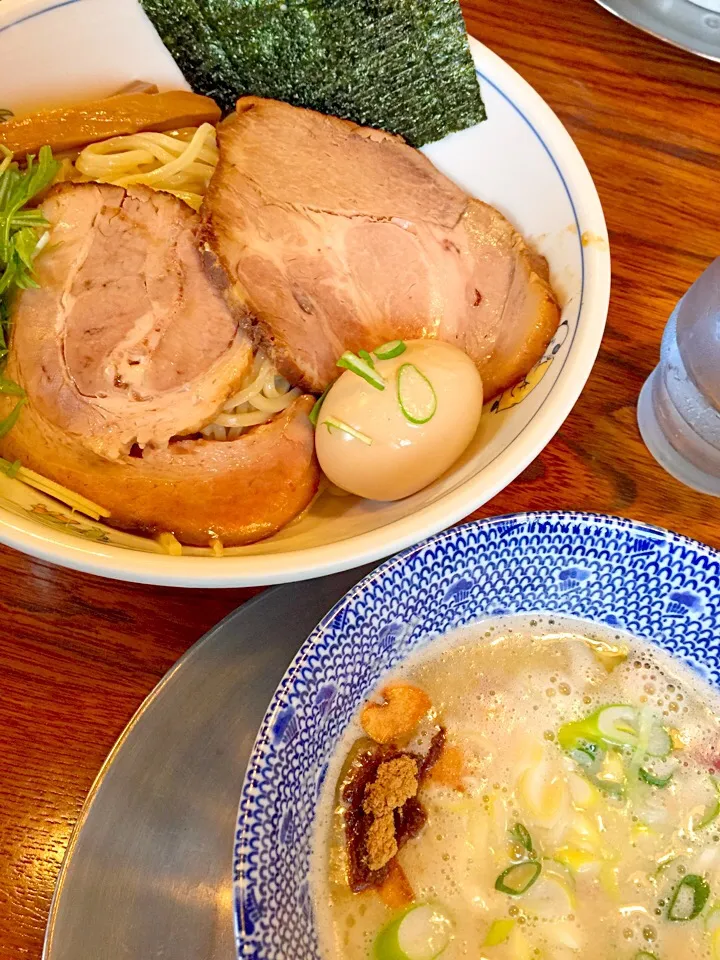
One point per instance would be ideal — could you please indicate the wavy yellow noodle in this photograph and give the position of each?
(262, 395)
(181, 164)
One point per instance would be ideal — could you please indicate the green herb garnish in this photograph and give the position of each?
(689, 898)
(652, 779)
(10, 387)
(11, 419)
(390, 350)
(416, 394)
(616, 725)
(499, 932)
(350, 361)
(315, 412)
(20, 232)
(518, 878)
(332, 423)
(521, 836)
(5, 114)
(712, 812)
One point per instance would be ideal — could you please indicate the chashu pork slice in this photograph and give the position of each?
(124, 350)
(338, 237)
(238, 491)
(126, 341)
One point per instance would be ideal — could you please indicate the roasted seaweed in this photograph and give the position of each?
(401, 65)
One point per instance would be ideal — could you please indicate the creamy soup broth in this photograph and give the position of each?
(555, 828)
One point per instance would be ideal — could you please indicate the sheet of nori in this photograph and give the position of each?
(401, 65)
(194, 47)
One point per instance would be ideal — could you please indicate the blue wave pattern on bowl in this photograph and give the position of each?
(649, 582)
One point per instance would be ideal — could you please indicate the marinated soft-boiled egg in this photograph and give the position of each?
(396, 420)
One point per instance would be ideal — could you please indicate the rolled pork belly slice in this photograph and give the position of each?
(126, 350)
(236, 491)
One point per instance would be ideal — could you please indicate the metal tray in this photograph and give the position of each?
(147, 873)
(692, 26)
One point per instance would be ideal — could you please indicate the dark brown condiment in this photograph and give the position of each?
(436, 747)
(409, 819)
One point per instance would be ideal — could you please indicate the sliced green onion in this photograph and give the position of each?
(10, 388)
(350, 361)
(658, 773)
(518, 878)
(11, 419)
(609, 787)
(420, 933)
(713, 810)
(315, 412)
(333, 423)
(689, 898)
(416, 395)
(646, 725)
(710, 817)
(660, 743)
(594, 762)
(586, 754)
(645, 955)
(498, 932)
(520, 835)
(388, 351)
(616, 725)
(611, 775)
(652, 780)
(364, 355)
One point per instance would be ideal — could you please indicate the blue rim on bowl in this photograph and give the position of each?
(649, 582)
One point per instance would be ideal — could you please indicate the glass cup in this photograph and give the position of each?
(679, 406)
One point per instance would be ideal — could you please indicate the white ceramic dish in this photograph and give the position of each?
(521, 160)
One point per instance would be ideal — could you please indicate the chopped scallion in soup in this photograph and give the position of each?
(534, 789)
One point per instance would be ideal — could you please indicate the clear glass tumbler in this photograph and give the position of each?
(679, 406)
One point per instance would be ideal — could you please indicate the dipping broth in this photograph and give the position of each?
(552, 791)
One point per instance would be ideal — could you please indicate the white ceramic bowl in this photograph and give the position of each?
(521, 160)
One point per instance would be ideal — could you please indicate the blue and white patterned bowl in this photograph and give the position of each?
(652, 583)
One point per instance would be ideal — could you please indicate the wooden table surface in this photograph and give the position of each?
(79, 654)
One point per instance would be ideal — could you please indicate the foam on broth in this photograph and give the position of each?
(610, 865)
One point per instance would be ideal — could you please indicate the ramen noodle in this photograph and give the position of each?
(180, 163)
